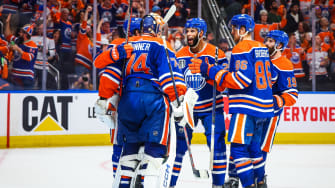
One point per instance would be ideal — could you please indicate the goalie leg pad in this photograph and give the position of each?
(150, 170)
(128, 165)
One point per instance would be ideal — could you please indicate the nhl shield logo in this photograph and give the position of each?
(181, 63)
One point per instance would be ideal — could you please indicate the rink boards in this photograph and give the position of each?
(39, 119)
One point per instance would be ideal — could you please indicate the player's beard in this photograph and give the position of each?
(271, 51)
(194, 42)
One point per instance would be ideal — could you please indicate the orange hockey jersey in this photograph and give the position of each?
(261, 30)
(296, 56)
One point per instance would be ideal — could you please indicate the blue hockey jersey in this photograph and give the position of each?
(200, 84)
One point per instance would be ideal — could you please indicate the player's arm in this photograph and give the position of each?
(110, 81)
(113, 55)
(165, 77)
(239, 77)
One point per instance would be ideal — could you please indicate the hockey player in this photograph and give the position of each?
(285, 91)
(199, 50)
(107, 83)
(249, 80)
(144, 109)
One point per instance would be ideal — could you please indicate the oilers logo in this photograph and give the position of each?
(67, 33)
(263, 32)
(194, 81)
(17, 56)
(295, 58)
(326, 40)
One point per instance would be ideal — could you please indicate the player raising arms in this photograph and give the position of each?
(200, 51)
(285, 91)
(249, 80)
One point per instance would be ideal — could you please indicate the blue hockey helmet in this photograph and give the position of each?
(197, 23)
(152, 23)
(243, 20)
(135, 24)
(279, 37)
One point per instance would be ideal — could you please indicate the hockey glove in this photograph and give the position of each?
(108, 117)
(199, 66)
(121, 52)
(278, 102)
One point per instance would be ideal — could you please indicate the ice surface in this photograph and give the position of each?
(289, 166)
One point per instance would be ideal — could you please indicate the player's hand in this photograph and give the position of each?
(107, 117)
(278, 102)
(89, 9)
(199, 66)
(121, 52)
(178, 111)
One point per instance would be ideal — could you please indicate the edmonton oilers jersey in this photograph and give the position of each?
(253, 74)
(286, 84)
(200, 84)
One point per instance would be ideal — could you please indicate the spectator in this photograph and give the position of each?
(300, 33)
(210, 37)
(297, 56)
(50, 49)
(262, 28)
(106, 32)
(293, 18)
(156, 9)
(83, 82)
(121, 7)
(25, 52)
(65, 53)
(4, 85)
(327, 36)
(26, 12)
(320, 65)
(273, 15)
(108, 12)
(179, 18)
(233, 7)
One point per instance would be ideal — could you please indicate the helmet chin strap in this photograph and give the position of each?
(241, 36)
(276, 50)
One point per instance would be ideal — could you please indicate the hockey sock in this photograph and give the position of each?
(176, 169)
(232, 168)
(243, 163)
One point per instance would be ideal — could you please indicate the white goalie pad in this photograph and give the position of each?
(108, 117)
(190, 99)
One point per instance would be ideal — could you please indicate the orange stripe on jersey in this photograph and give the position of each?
(238, 129)
(229, 82)
(189, 116)
(107, 87)
(243, 164)
(283, 63)
(246, 45)
(268, 139)
(251, 102)
(240, 80)
(209, 50)
(113, 73)
(167, 122)
(151, 39)
(125, 177)
(170, 80)
(208, 104)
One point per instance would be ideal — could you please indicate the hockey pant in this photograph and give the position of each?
(246, 159)
(220, 161)
(148, 165)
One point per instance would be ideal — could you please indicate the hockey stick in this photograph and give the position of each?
(170, 13)
(197, 173)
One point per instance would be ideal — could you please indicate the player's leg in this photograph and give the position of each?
(233, 180)
(240, 135)
(150, 168)
(220, 157)
(117, 149)
(180, 152)
(128, 164)
(254, 148)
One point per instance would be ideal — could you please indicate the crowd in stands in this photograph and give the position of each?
(69, 46)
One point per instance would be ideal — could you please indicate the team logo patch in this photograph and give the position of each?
(194, 81)
(295, 58)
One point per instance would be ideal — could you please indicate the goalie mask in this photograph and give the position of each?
(152, 24)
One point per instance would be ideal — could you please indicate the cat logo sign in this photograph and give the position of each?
(48, 118)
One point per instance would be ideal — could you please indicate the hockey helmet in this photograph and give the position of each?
(243, 20)
(152, 23)
(279, 37)
(197, 23)
(135, 24)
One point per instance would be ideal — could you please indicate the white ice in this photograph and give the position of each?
(289, 166)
